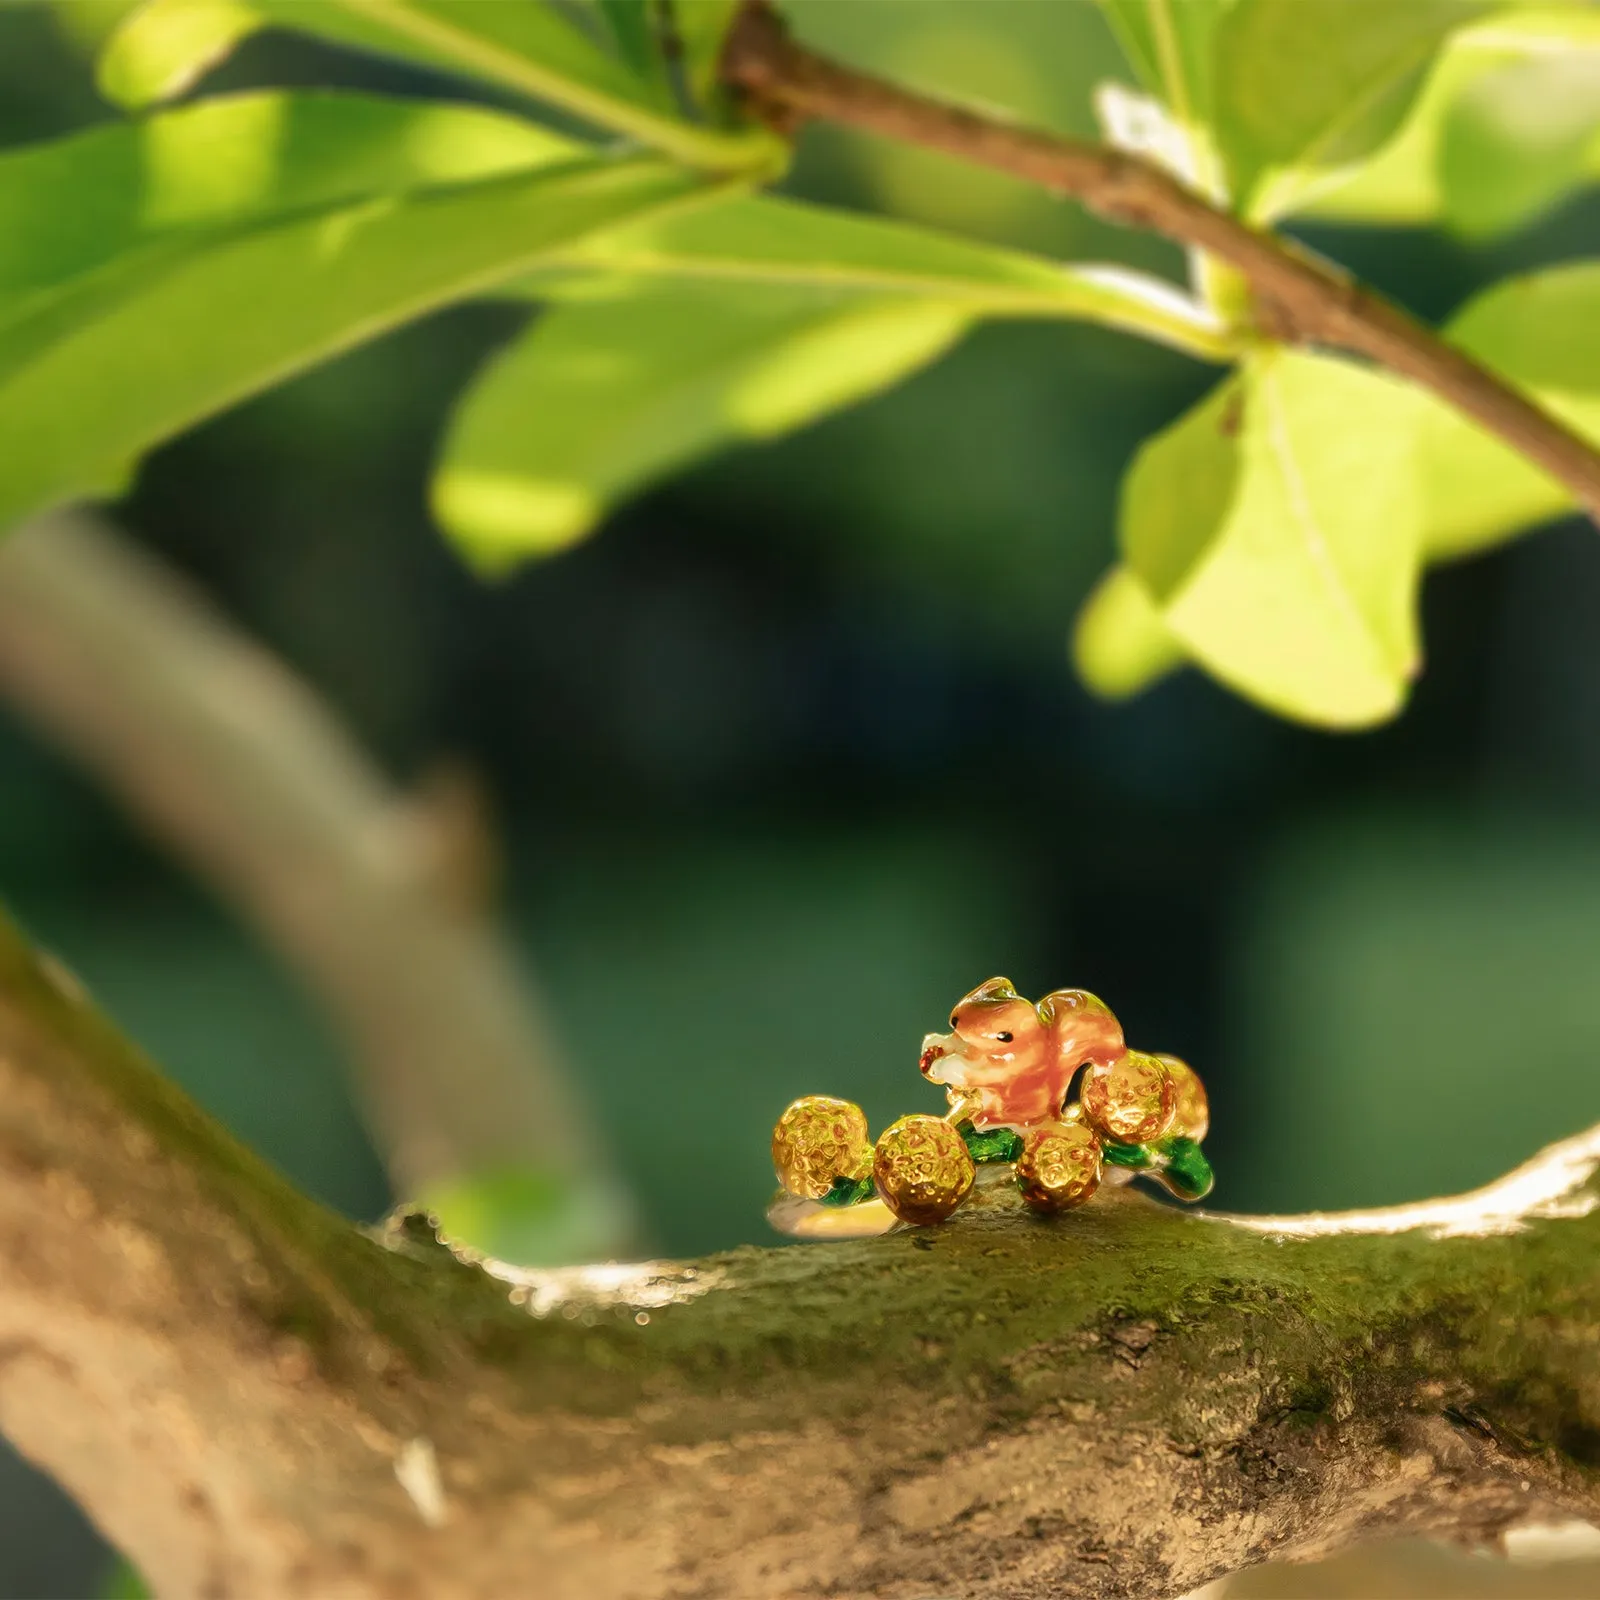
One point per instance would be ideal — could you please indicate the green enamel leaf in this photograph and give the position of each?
(1276, 527)
(163, 46)
(849, 1192)
(990, 1145)
(1136, 1156)
(1309, 84)
(595, 401)
(1185, 1172)
(1542, 332)
(1120, 645)
(126, 349)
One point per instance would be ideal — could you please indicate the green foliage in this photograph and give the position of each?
(164, 46)
(1276, 529)
(1170, 45)
(1507, 125)
(125, 1584)
(1275, 535)
(702, 27)
(1120, 644)
(521, 1215)
(135, 330)
(598, 399)
(1303, 85)
(1543, 332)
(1517, 140)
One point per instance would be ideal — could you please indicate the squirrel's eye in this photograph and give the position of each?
(1004, 1038)
(955, 1017)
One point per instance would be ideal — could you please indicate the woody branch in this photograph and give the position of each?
(252, 1397)
(1300, 298)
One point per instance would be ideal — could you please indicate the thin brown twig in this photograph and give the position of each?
(1300, 298)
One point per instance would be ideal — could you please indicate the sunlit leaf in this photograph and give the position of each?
(160, 49)
(87, 24)
(1120, 645)
(133, 347)
(702, 30)
(1518, 140)
(1171, 45)
(1309, 84)
(1275, 527)
(526, 1216)
(1542, 332)
(234, 162)
(630, 26)
(531, 48)
(1172, 48)
(765, 239)
(595, 401)
(1404, 182)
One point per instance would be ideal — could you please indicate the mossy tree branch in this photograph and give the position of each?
(252, 1397)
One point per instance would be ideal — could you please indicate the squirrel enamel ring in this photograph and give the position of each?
(1009, 1068)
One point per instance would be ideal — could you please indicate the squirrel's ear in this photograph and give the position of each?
(994, 989)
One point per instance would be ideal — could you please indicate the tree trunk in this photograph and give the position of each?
(254, 1398)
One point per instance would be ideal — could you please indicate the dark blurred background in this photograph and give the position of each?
(743, 746)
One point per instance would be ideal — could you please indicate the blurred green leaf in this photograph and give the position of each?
(776, 241)
(630, 26)
(223, 165)
(597, 400)
(784, 311)
(523, 1216)
(1180, 488)
(87, 24)
(702, 27)
(1170, 45)
(1120, 645)
(99, 368)
(1404, 183)
(164, 46)
(1518, 140)
(1542, 332)
(1276, 527)
(1310, 84)
(533, 49)
(125, 1584)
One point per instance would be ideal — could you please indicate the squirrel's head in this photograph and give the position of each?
(994, 1020)
(993, 1030)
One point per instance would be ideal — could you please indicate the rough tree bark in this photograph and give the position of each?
(254, 1398)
